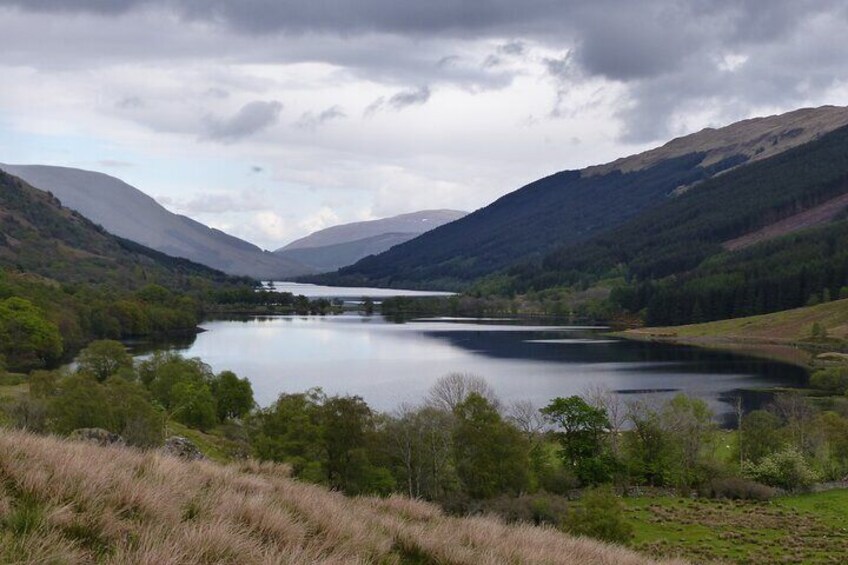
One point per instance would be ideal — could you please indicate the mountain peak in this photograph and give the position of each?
(754, 138)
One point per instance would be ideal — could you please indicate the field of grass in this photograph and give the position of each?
(809, 528)
(787, 326)
(72, 502)
(782, 336)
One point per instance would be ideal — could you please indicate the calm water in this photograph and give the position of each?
(388, 363)
(355, 293)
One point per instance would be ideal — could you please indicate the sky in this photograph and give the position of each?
(270, 119)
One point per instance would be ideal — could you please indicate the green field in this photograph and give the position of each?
(808, 528)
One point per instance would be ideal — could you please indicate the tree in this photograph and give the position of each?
(491, 456)
(761, 435)
(192, 404)
(581, 432)
(648, 451)
(454, 388)
(104, 358)
(420, 444)
(132, 415)
(27, 339)
(348, 432)
(785, 469)
(233, 396)
(80, 402)
(689, 427)
(290, 431)
(600, 515)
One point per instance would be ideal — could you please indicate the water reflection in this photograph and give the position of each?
(389, 363)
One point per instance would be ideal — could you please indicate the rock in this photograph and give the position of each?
(98, 436)
(178, 446)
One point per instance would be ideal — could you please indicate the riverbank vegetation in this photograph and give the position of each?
(582, 464)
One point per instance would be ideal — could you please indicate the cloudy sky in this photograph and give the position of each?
(273, 118)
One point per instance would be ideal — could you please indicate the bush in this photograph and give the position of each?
(833, 380)
(737, 488)
(785, 469)
(532, 509)
(600, 515)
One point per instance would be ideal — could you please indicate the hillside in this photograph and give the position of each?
(129, 213)
(786, 327)
(572, 207)
(68, 502)
(40, 236)
(338, 246)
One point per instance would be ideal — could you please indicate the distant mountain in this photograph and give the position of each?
(41, 237)
(571, 207)
(338, 246)
(129, 213)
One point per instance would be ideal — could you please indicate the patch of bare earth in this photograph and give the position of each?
(807, 219)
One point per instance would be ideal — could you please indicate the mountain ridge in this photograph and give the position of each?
(571, 207)
(341, 245)
(131, 214)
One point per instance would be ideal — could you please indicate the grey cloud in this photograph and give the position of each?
(250, 119)
(513, 48)
(664, 52)
(310, 120)
(399, 101)
(129, 102)
(414, 97)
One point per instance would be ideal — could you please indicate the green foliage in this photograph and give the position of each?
(761, 435)
(785, 469)
(104, 358)
(27, 339)
(688, 425)
(80, 402)
(131, 413)
(564, 208)
(491, 455)
(582, 431)
(290, 431)
(43, 384)
(163, 371)
(233, 396)
(600, 515)
(832, 379)
(191, 402)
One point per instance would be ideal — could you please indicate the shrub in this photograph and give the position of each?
(532, 509)
(832, 379)
(785, 469)
(737, 488)
(600, 515)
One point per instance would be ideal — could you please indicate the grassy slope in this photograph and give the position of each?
(70, 502)
(776, 334)
(803, 528)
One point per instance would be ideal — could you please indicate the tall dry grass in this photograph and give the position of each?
(67, 502)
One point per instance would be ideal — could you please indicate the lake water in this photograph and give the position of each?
(348, 293)
(389, 364)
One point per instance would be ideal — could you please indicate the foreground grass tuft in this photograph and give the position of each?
(67, 502)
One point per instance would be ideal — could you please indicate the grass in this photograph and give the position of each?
(789, 325)
(773, 336)
(809, 528)
(72, 502)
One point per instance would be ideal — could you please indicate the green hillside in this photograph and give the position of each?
(65, 281)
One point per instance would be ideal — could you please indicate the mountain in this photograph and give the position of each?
(41, 237)
(129, 213)
(765, 237)
(572, 207)
(338, 246)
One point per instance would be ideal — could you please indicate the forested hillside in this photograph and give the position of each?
(65, 281)
(675, 260)
(571, 208)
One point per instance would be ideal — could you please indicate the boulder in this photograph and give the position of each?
(98, 436)
(184, 448)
